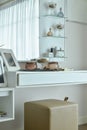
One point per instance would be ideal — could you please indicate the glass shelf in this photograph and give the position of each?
(55, 57)
(60, 50)
(52, 16)
(52, 37)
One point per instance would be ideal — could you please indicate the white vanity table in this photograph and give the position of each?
(45, 78)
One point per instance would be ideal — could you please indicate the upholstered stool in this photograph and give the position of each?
(50, 115)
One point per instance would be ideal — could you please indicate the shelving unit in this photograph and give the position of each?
(6, 104)
(50, 22)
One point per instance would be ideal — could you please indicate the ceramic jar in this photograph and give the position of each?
(31, 65)
(53, 66)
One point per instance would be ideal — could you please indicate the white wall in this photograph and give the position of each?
(75, 46)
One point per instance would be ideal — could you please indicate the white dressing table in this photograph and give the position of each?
(23, 79)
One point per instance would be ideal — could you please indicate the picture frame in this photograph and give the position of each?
(3, 81)
(9, 60)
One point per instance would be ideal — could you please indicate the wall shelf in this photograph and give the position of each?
(52, 37)
(6, 104)
(51, 16)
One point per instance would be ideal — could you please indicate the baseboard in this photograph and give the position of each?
(82, 120)
(21, 129)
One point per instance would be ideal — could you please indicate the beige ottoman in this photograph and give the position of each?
(50, 114)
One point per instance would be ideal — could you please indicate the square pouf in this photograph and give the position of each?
(50, 114)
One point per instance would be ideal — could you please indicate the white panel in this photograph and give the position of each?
(77, 10)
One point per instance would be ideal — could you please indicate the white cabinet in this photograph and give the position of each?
(52, 30)
(6, 104)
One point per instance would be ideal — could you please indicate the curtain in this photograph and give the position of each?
(19, 28)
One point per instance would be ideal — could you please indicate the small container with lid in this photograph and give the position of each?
(53, 66)
(31, 65)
